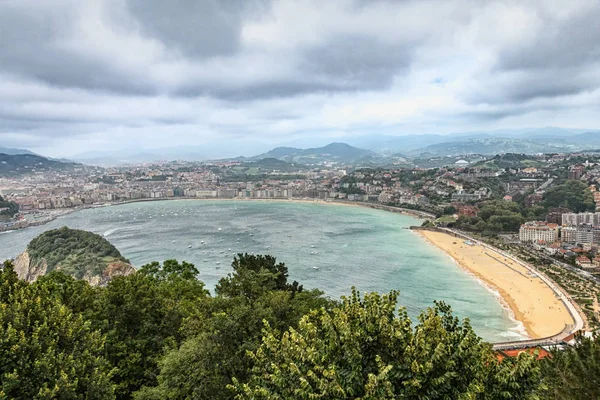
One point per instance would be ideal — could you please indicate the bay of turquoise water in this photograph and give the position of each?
(325, 246)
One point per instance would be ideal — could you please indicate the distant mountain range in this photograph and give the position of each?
(487, 146)
(209, 151)
(333, 152)
(483, 142)
(12, 165)
(12, 151)
(362, 150)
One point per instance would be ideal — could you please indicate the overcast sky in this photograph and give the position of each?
(79, 75)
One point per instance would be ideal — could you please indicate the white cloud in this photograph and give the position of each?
(100, 74)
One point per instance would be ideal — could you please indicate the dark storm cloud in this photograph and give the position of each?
(195, 28)
(562, 60)
(40, 46)
(357, 62)
(573, 42)
(30, 47)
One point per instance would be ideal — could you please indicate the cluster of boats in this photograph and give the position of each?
(228, 252)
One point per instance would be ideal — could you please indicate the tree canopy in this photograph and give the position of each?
(571, 194)
(159, 334)
(75, 251)
(46, 350)
(365, 349)
(8, 208)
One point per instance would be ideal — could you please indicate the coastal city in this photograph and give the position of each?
(281, 199)
(546, 205)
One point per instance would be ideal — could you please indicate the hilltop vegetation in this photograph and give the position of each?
(509, 160)
(74, 252)
(159, 334)
(8, 209)
(573, 195)
(507, 216)
(485, 146)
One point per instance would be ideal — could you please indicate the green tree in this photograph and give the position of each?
(76, 294)
(254, 275)
(226, 328)
(449, 210)
(141, 315)
(365, 350)
(46, 351)
(574, 373)
(572, 194)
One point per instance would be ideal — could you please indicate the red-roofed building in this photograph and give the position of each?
(583, 262)
(541, 353)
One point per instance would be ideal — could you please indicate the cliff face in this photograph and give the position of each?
(27, 270)
(112, 270)
(30, 271)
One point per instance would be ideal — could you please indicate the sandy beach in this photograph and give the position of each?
(532, 302)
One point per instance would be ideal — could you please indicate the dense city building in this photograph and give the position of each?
(538, 231)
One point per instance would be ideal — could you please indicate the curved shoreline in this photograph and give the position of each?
(503, 298)
(514, 313)
(534, 301)
(57, 213)
(402, 210)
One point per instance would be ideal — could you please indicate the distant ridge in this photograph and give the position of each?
(24, 164)
(14, 151)
(333, 152)
(507, 140)
(485, 146)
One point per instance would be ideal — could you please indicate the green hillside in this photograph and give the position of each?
(24, 164)
(7, 208)
(74, 252)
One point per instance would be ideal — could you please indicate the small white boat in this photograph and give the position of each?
(218, 262)
(315, 267)
(219, 229)
(190, 246)
(313, 253)
(312, 246)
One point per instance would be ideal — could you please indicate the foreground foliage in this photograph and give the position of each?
(159, 334)
(365, 350)
(47, 351)
(574, 373)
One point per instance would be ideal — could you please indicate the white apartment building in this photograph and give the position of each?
(587, 218)
(538, 231)
(568, 234)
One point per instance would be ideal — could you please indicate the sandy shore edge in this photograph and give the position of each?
(530, 302)
(524, 325)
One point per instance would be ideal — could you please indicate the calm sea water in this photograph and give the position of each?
(330, 247)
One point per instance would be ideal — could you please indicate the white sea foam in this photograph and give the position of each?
(110, 232)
